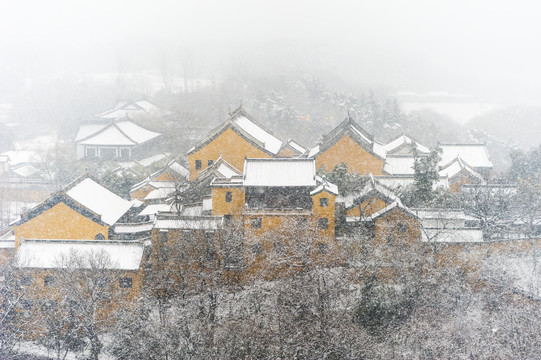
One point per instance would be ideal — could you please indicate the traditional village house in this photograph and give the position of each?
(81, 211)
(239, 137)
(120, 140)
(281, 209)
(74, 229)
(56, 276)
(291, 148)
(165, 178)
(349, 143)
(135, 108)
(475, 156)
(460, 173)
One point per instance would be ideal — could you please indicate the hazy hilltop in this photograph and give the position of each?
(520, 126)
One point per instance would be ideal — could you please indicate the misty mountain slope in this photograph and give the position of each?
(517, 125)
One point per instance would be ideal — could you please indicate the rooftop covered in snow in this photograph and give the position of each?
(58, 254)
(280, 172)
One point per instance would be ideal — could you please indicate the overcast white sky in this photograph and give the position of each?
(480, 47)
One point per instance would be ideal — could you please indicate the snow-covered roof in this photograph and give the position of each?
(25, 170)
(456, 166)
(189, 222)
(131, 108)
(313, 151)
(324, 185)
(399, 142)
(133, 228)
(241, 122)
(356, 132)
(154, 208)
(295, 145)
(270, 142)
(399, 165)
(396, 204)
(55, 254)
(379, 149)
(121, 132)
(371, 188)
(475, 155)
(179, 169)
(161, 193)
(103, 202)
(395, 181)
(279, 172)
(152, 159)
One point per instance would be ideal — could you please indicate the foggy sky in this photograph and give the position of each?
(490, 49)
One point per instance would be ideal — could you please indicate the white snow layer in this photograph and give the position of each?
(100, 200)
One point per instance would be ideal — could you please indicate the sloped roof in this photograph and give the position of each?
(396, 204)
(247, 127)
(154, 209)
(220, 168)
(121, 132)
(324, 185)
(26, 171)
(399, 143)
(129, 107)
(55, 254)
(179, 171)
(100, 200)
(372, 188)
(293, 145)
(88, 198)
(456, 166)
(356, 132)
(280, 172)
(161, 193)
(394, 181)
(167, 221)
(475, 155)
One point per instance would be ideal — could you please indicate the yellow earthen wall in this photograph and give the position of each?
(221, 207)
(348, 151)
(59, 222)
(231, 146)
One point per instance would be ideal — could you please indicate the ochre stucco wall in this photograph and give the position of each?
(231, 146)
(59, 222)
(348, 151)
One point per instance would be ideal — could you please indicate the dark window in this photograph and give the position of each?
(256, 223)
(197, 164)
(90, 152)
(302, 223)
(26, 304)
(402, 228)
(228, 219)
(323, 223)
(228, 196)
(125, 153)
(322, 248)
(163, 236)
(125, 282)
(49, 280)
(26, 280)
(210, 162)
(279, 247)
(99, 237)
(324, 202)
(256, 249)
(108, 153)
